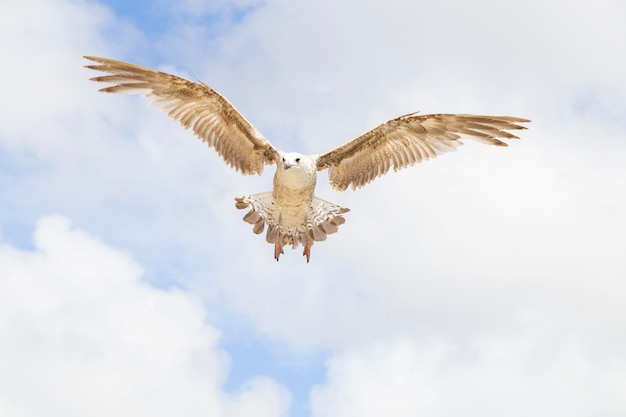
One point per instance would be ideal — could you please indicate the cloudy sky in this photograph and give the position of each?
(490, 282)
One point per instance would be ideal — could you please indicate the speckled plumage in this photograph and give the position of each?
(292, 213)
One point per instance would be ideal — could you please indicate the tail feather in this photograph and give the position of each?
(329, 227)
(322, 218)
(272, 234)
(257, 215)
(316, 233)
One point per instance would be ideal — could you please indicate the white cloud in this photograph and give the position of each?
(84, 335)
(534, 368)
(47, 87)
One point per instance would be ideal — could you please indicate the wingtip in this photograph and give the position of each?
(520, 120)
(100, 63)
(93, 58)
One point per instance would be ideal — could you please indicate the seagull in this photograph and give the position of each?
(292, 213)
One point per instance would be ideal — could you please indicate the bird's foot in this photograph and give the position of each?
(278, 250)
(307, 250)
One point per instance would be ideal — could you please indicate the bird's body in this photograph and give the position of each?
(291, 212)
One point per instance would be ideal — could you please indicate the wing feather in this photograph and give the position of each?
(407, 140)
(195, 106)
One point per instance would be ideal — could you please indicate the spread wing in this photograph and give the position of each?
(409, 139)
(195, 106)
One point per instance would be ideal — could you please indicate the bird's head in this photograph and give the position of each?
(296, 161)
(291, 160)
(296, 165)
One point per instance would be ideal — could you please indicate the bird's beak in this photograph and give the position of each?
(287, 165)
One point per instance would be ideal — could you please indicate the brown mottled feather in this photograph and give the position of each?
(195, 106)
(407, 140)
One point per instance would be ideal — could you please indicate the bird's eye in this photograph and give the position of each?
(297, 160)
(283, 159)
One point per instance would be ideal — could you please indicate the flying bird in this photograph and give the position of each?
(292, 213)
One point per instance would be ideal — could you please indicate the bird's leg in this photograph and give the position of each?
(278, 249)
(307, 249)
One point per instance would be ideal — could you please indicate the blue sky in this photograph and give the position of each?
(488, 282)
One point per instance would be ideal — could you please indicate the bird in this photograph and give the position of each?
(291, 212)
